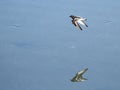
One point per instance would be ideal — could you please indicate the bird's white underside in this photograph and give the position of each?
(81, 22)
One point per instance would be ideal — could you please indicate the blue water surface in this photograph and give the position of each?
(40, 49)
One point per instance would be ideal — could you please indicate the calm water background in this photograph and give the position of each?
(41, 50)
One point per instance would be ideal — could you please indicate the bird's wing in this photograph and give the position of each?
(82, 71)
(73, 22)
(77, 24)
(84, 23)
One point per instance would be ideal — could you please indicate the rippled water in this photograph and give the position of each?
(41, 50)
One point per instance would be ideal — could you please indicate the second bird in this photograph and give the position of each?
(78, 77)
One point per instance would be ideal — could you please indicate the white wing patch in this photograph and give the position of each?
(81, 22)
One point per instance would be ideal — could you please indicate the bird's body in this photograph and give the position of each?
(78, 77)
(78, 20)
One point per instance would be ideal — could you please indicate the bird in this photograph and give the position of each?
(77, 20)
(78, 77)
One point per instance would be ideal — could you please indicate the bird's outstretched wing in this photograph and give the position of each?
(73, 22)
(82, 71)
(77, 24)
(84, 23)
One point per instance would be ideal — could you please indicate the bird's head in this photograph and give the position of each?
(72, 16)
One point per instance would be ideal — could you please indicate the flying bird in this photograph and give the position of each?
(78, 20)
(78, 77)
